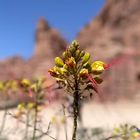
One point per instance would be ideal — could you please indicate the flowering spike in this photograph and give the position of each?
(79, 73)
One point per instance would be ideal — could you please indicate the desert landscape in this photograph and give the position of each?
(113, 37)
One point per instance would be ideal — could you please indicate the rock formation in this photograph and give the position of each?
(48, 41)
(114, 36)
(48, 45)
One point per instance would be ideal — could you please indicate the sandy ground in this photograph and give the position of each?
(94, 115)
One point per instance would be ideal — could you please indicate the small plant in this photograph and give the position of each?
(77, 75)
(6, 89)
(32, 100)
(35, 91)
(125, 132)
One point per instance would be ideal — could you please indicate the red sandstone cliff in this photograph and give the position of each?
(114, 36)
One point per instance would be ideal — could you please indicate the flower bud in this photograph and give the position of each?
(65, 67)
(25, 83)
(66, 54)
(98, 67)
(53, 72)
(83, 72)
(82, 53)
(34, 87)
(59, 62)
(75, 44)
(72, 49)
(86, 57)
(70, 62)
(21, 106)
(77, 54)
(60, 70)
(31, 105)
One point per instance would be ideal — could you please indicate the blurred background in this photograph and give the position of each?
(32, 33)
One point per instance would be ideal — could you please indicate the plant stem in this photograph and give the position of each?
(27, 122)
(65, 124)
(75, 109)
(3, 121)
(35, 122)
(36, 115)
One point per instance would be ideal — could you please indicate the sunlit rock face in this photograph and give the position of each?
(114, 36)
(48, 41)
(48, 44)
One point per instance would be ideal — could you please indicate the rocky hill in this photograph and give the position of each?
(114, 36)
(117, 27)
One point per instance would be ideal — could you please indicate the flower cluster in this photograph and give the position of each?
(76, 63)
(34, 90)
(127, 131)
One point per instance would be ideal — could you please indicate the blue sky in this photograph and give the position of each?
(18, 20)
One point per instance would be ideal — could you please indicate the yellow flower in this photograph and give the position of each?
(1, 86)
(34, 87)
(25, 82)
(83, 72)
(70, 62)
(21, 106)
(98, 67)
(59, 62)
(31, 105)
